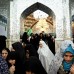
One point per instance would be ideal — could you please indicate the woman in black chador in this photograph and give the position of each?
(35, 66)
(31, 49)
(20, 58)
(12, 62)
(24, 38)
(2, 42)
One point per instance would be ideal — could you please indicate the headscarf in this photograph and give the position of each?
(12, 55)
(69, 49)
(58, 59)
(45, 55)
(17, 46)
(67, 65)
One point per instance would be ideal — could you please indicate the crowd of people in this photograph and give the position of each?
(35, 54)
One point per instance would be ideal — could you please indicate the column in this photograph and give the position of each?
(14, 27)
(63, 28)
(66, 20)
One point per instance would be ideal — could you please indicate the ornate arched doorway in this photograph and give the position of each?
(28, 20)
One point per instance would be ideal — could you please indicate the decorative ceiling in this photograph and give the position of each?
(30, 21)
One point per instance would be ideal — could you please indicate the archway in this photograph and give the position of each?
(37, 6)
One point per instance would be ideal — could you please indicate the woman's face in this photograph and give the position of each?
(12, 62)
(40, 45)
(4, 54)
(68, 57)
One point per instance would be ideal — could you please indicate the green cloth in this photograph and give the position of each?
(29, 31)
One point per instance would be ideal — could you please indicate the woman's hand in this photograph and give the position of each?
(12, 69)
(72, 69)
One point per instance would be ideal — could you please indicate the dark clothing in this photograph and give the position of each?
(31, 49)
(11, 56)
(51, 44)
(24, 38)
(20, 58)
(35, 66)
(2, 42)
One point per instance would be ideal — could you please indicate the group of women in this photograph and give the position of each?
(14, 58)
(24, 59)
